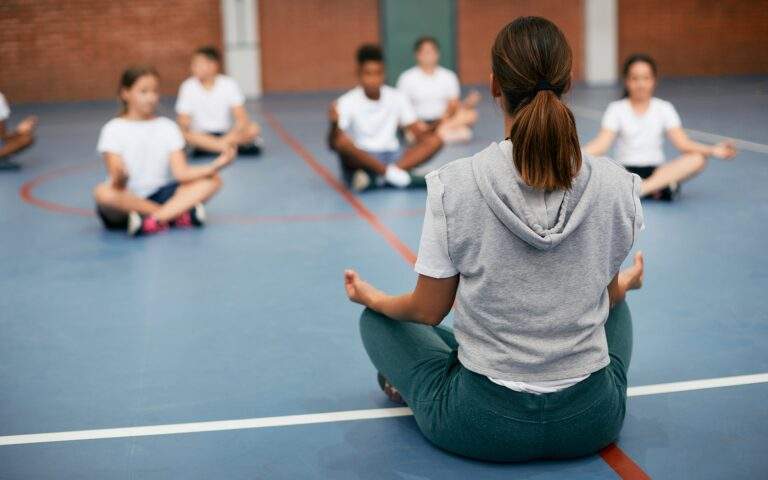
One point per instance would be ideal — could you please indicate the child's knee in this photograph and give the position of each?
(433, 141)
(699, 161)
(216, 182)
(103, 194)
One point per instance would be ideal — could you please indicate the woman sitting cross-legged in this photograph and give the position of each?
(526, 239)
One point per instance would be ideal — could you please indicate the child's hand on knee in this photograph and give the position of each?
(226, 157)
(27, 126)
(725, 150)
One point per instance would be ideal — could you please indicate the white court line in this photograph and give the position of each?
(698, 134)
(695, 385)
(264, 422)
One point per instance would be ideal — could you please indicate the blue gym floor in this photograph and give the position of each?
(247, 318)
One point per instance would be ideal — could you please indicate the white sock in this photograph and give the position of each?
(397, 177)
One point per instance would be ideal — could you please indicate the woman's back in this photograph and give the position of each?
(532, 297)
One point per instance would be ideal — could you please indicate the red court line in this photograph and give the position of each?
(331, 180)
(612, 455)
(620, 462)
(25, 192)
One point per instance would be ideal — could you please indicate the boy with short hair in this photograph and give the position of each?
(364, 125)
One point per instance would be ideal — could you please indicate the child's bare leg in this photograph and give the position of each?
(205, 141)
(353, 157)
(426, 146)
(122, 200)
(454, 133)
(471, 100)
(466, 116)
(245, 135)
(679, 169)
(187, 196)
(456, 128)
(16, 143)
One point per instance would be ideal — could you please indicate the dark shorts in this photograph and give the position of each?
(249, 149)
(642, 172)
(666, 194)
(119, 221)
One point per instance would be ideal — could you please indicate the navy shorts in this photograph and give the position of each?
(666, 194)
(112, 221)
(642, 172)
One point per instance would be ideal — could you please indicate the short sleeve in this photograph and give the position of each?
(639, 216)
(670, 117)
(5, 111)
(402, 83)
(236, 97)
(344, 109)
(175, 137)
(433, 260)
(453, 87)
(611, 118)
(109, 139)
(184, 100)
(407, 114)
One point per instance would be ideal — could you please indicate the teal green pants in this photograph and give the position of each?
(465, 413)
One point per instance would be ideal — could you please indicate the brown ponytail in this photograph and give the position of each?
(531, 62)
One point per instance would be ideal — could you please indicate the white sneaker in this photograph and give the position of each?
(360, 181)
(134, 223)
(397, 177)
(199, 216)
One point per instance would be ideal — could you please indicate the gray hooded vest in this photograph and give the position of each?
(534, 266)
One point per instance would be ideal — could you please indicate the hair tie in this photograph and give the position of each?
(544, 85)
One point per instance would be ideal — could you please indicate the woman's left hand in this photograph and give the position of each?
(358, 290)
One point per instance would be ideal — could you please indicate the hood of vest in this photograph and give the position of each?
(506, 195)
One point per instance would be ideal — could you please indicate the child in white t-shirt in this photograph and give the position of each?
(364, 125)
(14, 141)
(211, 109)
(150, 186)
(434, 93)
(638, 123)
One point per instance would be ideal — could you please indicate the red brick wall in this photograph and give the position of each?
(480, 20)
(310, 44)
(697, 37)
(76, 49)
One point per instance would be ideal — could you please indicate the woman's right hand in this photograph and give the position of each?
(358, 290)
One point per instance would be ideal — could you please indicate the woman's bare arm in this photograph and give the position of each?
(427, 304)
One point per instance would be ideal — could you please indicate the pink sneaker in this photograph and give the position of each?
(183, 221)
(138, 225)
